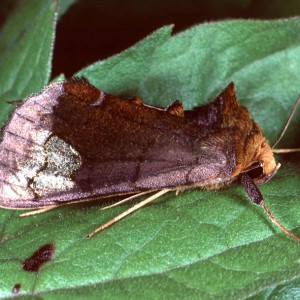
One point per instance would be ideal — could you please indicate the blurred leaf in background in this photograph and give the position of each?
(94, 30)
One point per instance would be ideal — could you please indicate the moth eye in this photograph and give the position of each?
(256, 172)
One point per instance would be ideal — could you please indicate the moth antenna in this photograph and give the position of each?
(125, 200)
(277, 223)
(256, 197)
(286, 125)
(129, 211)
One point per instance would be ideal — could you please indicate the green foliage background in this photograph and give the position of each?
(198, 245)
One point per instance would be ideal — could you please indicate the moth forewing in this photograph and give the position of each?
(72, 142)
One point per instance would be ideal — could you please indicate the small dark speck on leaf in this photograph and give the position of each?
(16, 288)
(38, 258)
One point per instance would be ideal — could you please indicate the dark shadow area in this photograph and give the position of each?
(94, 30)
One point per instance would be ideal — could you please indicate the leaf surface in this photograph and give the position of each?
(26, 51)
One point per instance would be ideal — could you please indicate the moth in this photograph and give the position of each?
(72, 142)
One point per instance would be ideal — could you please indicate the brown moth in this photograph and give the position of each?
(72, 142)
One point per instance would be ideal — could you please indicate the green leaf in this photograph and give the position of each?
(26, 51)
(200, 244)
(64, 5)
(261, 57)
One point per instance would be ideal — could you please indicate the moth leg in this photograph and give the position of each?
(38, 211)
(256, 197)
(285, 150)
(129, 211)
(126, 200)
(178, 191)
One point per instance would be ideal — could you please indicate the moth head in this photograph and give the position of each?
(265, 166)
